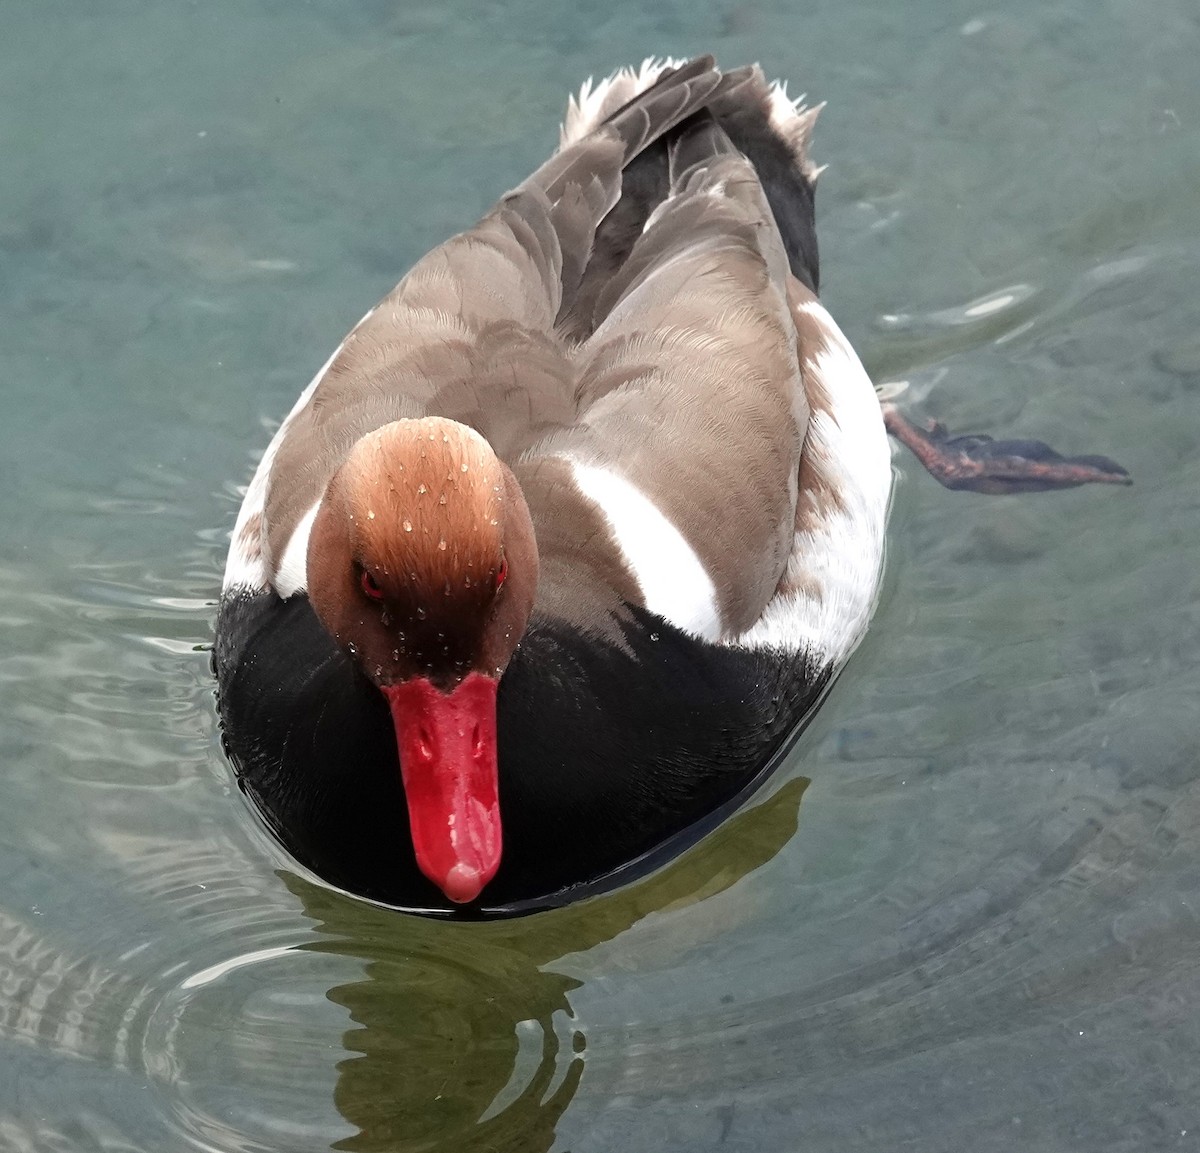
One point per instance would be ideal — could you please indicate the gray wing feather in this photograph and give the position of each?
(470, 332)
(691, 384)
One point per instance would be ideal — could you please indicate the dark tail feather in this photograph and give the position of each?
(773, 135)
(762, 124)
(770, 131)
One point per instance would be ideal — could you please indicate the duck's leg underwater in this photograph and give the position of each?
(982, 464)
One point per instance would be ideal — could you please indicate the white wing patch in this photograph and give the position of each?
(675, 584)
(244, 566)
(292, 574)
(829, 588)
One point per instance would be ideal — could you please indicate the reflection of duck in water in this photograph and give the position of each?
(576, 526)
(464, 1035)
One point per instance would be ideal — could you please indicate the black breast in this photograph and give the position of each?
(611, 759)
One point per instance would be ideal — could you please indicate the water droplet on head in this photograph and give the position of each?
(421, 490)
(654, 636)
(407, 525)
(370, 514)
(442, 500)
(464, 466)
(442, 545)
(421, 614)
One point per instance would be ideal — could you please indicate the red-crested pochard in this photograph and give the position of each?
(572, 531)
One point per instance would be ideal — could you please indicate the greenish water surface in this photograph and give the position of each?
(967, 916)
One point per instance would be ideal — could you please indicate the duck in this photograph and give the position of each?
(564, 544)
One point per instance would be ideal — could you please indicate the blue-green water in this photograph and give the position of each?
(981, 927)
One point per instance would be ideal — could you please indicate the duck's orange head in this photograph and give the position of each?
(422, 564)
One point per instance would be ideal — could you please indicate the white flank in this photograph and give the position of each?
(832, 576)
(594, 105)
(292, 575)
(244, 565)
(674, 583)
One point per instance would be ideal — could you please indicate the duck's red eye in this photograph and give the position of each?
(502, 574)
(370, 586)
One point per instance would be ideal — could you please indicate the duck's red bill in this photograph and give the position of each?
(447, 746)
